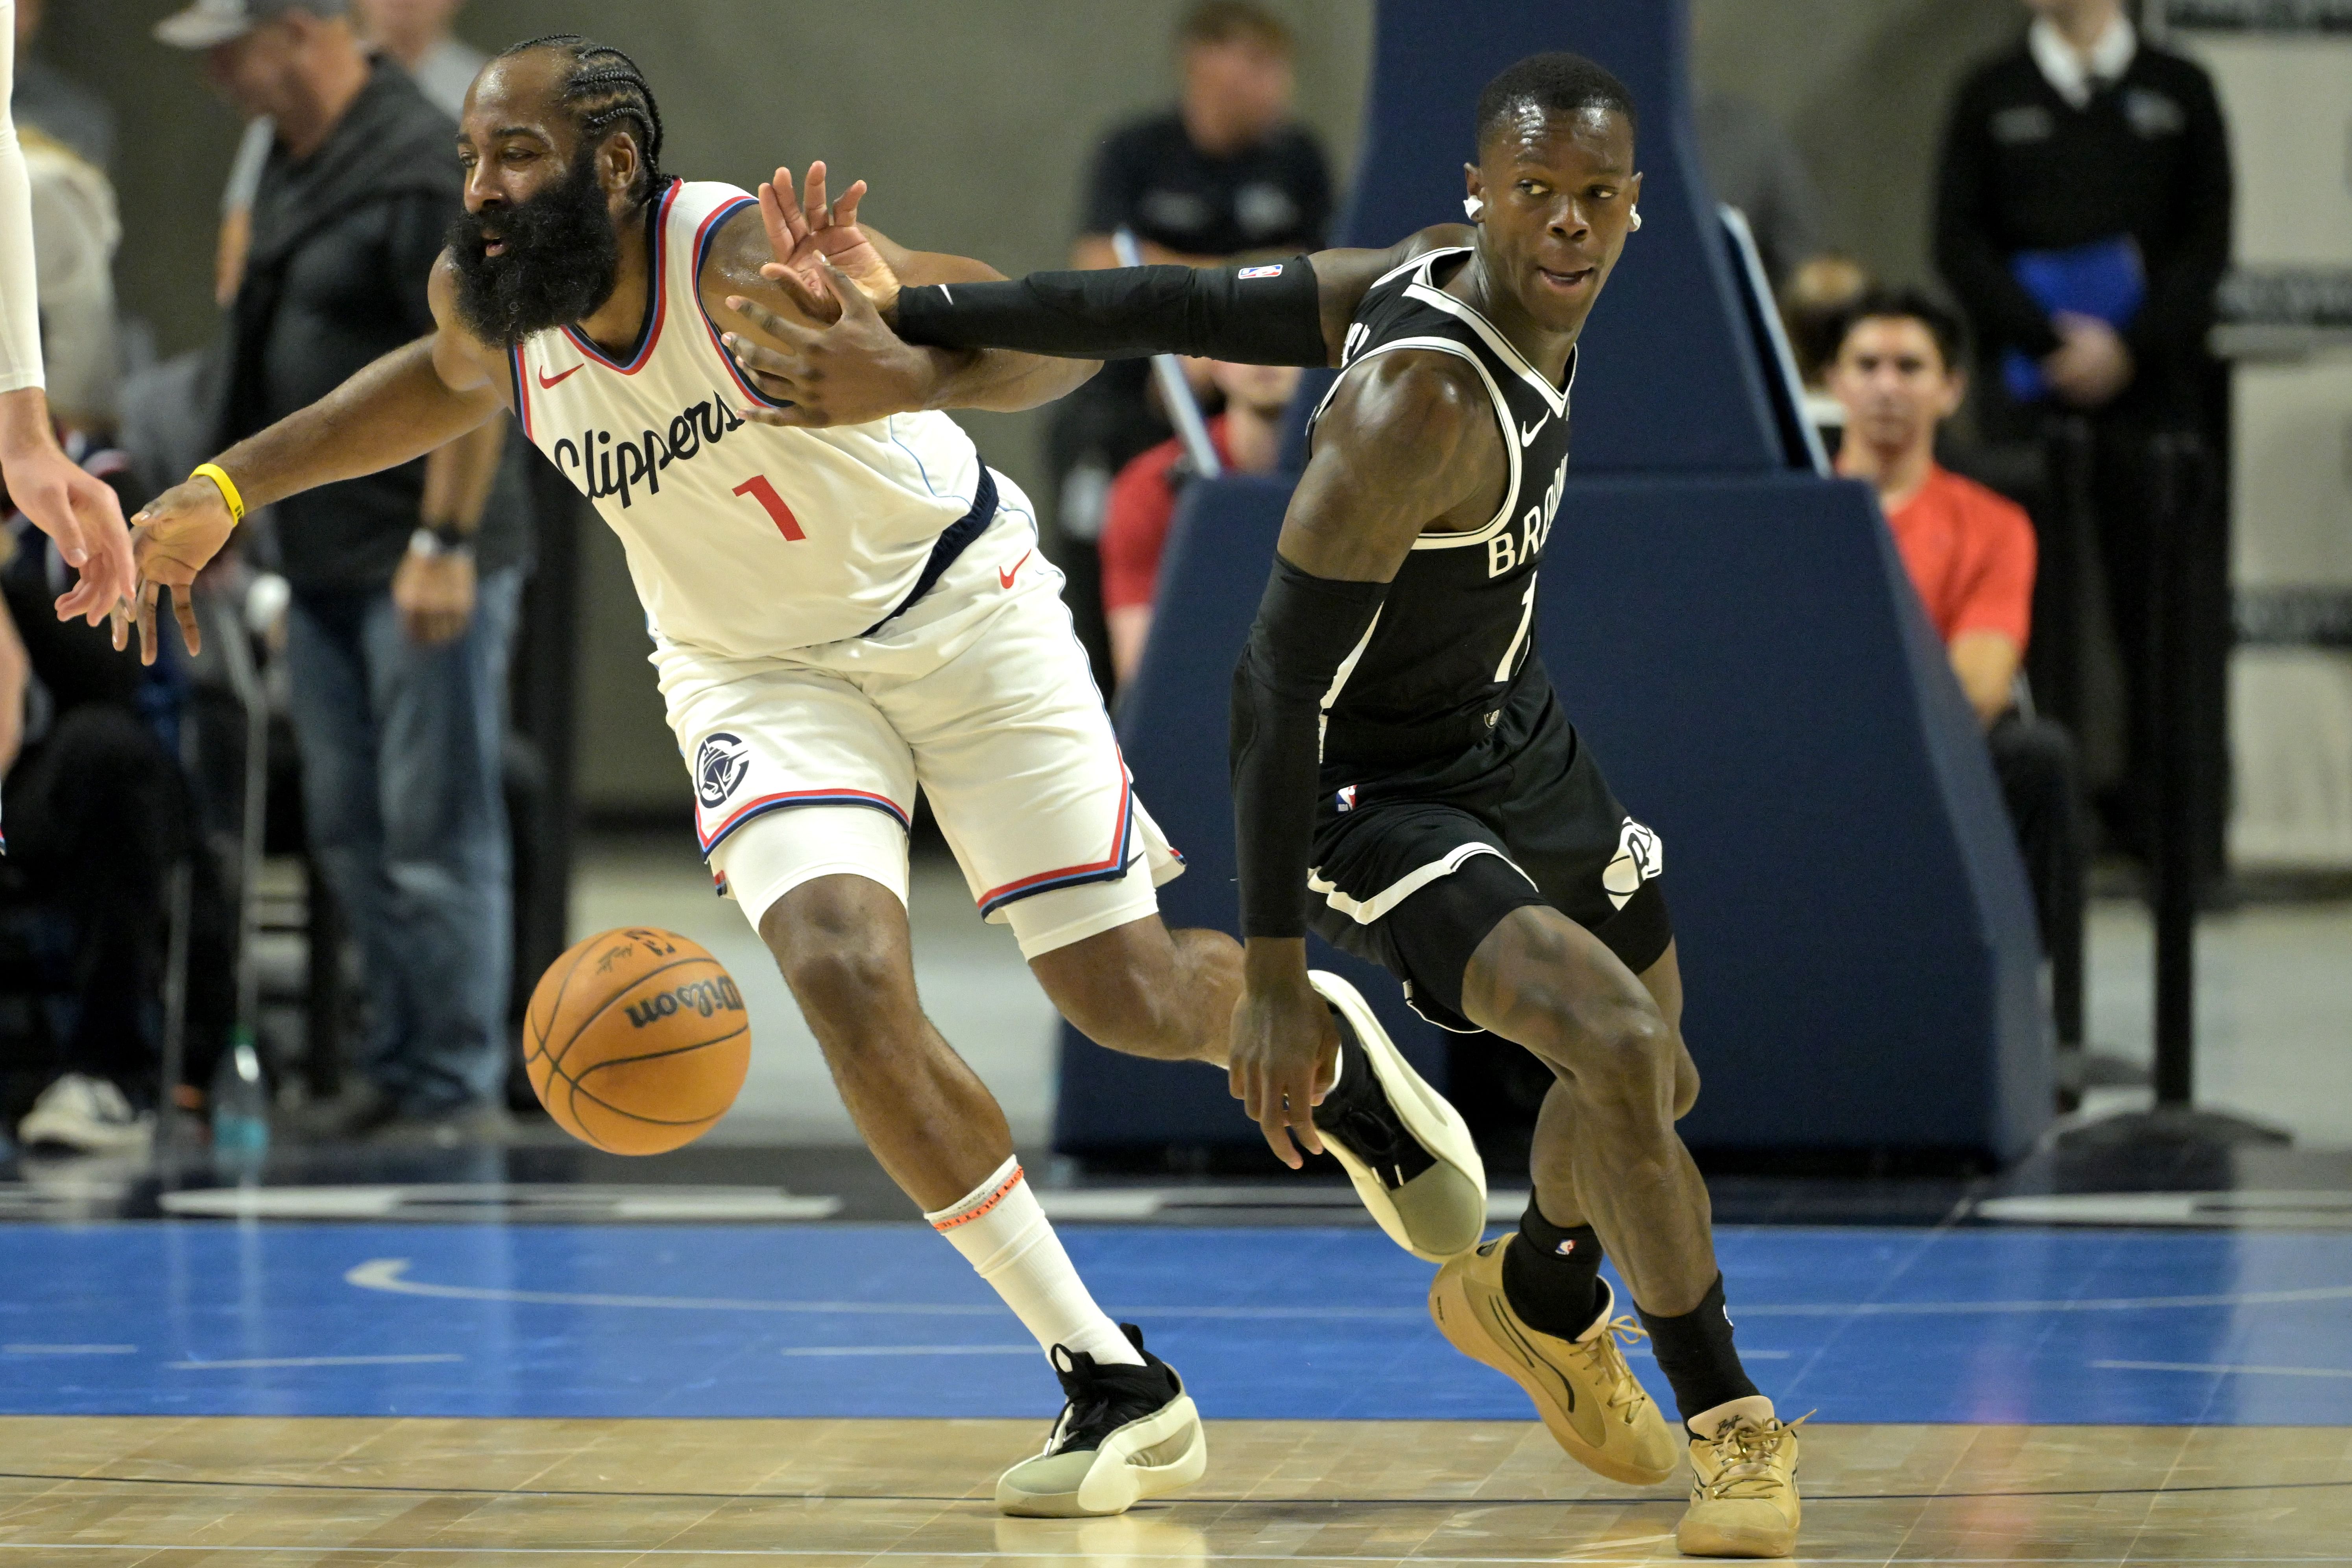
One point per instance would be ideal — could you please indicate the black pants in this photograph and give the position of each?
(2128, 521)
(2041, 782)
(98, 814)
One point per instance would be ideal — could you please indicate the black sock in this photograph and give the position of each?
(1552, 1277)
(1694, 1352)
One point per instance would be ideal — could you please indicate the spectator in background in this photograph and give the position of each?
(1971, 554)
(416, 33)
(75, 232)
(405, 583)
(1226, 172)
(1248, 440)
(2082, 218)
(48, 99)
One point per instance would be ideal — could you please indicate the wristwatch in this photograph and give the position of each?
(434, 539)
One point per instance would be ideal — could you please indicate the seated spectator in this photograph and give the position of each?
(1248, 440)
(98, 814)
(1225, 170)
(1971, 553)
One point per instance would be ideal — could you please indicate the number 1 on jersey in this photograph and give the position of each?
(758, 487)
(1519, 638)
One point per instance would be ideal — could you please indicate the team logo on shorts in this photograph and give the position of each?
(719, 767)
(1641, 855)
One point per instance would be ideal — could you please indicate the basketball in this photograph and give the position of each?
(637, 1040)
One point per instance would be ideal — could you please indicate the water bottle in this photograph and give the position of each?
(240, 1103)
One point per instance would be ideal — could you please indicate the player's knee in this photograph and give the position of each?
(1620, 1053)
(845, 982)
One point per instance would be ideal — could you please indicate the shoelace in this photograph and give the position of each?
(1606, 1348)
(1752, 1446)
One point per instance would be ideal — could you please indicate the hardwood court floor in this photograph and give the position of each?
(102, 1492)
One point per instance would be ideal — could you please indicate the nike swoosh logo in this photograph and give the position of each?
(1004, 577)
(546, 380)
(1527, 434)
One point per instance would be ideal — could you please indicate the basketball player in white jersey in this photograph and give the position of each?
(841, 615)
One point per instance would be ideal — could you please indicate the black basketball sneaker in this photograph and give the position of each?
(1408, 1151)
(1125, 1433)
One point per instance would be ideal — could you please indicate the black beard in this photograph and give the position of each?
(562, 260)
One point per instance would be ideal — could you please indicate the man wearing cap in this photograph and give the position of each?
(405, 583)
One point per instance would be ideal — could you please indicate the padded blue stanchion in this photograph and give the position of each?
(1737, 640)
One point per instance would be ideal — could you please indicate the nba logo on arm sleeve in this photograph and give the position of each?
(1271, 270)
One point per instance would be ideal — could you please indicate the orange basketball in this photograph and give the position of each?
(637, 1040)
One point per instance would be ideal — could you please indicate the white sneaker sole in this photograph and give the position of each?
(1434, 1124)
(1126, 1470)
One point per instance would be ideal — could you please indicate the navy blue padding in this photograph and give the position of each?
(1669, 379)
(1760, 685)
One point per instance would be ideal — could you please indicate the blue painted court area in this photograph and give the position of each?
(1999, 1326)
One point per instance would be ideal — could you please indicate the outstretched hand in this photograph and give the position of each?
(173, 537)
(806, 233)
(82, 513)
(848, 371)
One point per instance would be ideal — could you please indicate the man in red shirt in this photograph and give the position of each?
(1248, 438)
(1971, 554)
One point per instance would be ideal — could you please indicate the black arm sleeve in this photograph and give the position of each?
(1307, 626)
(1267, 314)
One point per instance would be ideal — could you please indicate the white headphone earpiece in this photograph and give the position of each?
(1636, 222)
(1473, 208)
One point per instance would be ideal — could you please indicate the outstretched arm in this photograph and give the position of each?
(1406, 441)
(410, 402)
(767, 283)
(1290, 312)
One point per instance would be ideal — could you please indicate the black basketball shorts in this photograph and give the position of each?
(1414, 868)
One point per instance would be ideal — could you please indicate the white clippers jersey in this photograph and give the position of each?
(742, 539)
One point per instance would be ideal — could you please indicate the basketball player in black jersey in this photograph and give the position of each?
(1402, 767)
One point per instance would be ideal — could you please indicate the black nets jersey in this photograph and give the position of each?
(1431, 672)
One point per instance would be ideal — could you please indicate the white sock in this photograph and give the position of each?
(1005, 1234)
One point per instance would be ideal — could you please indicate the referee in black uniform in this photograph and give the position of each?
(2085, 135)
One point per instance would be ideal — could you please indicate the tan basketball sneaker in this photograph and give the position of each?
(1125, 1433)
(1743, 1490)
(1589, 1398)
(1408, 1151)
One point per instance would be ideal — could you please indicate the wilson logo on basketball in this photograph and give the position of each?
(703, 996)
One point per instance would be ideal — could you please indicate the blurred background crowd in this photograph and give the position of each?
(1998, 230)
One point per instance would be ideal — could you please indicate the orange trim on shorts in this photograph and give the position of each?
(982, 1207)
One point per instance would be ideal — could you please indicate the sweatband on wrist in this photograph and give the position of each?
(1308, 629)
(227, 485)
(1270, 313)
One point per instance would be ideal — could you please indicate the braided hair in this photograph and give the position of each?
(603, 89)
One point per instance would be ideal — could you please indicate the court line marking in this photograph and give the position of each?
(1236, 1499)
(390, 1274)
(2240, 1371)
(68, 1349)
(921, 1350)
(313, 1360)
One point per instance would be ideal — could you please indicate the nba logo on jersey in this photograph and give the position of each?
(1347, 798)
(720, 765)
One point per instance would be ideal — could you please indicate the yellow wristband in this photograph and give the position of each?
(227, 485)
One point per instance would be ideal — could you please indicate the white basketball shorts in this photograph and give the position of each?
(806, 764)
